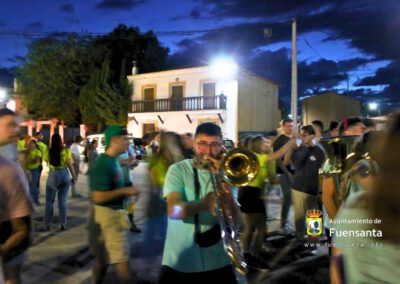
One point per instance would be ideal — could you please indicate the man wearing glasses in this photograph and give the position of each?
(306, 159)
(190, 205)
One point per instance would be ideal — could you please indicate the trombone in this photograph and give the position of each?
(238, 167)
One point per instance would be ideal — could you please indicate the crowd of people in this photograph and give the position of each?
(354, 184)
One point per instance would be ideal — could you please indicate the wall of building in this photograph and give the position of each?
(252, 102)
(176, 121)
(258, 104)
(329, 107)
(191, 77)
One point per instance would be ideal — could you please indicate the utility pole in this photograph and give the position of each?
(294, 76)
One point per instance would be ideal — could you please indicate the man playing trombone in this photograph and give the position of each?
(193, 250)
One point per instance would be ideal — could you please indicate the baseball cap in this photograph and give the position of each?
(112, 131)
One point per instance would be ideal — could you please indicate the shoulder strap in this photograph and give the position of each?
(196, 196)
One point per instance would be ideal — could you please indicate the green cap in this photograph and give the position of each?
(112, 131)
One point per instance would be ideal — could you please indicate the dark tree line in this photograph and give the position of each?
(84, 80)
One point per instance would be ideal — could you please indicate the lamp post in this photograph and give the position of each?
(294, 75)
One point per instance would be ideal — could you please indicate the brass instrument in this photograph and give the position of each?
(344, 160)
(238, 167)
(338, 150)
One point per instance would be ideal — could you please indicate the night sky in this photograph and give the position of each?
(352, 47)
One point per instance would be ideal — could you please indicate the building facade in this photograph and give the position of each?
(329, 107)
(179, 100)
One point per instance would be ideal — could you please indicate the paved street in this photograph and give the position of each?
(63, 256)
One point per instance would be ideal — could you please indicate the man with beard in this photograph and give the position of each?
(190, 205)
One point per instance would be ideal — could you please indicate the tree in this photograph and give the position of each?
(127, 44)
(101, 100)
(84, 79)
(51, 78)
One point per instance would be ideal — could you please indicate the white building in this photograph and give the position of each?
(179, 100)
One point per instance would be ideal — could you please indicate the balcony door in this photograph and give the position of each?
(176, 97)
(149, 99)
(149, 128)
(209, 95)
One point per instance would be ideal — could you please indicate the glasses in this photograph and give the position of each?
(204, 145)
(304, 135)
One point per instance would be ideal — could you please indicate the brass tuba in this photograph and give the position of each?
(238, 167)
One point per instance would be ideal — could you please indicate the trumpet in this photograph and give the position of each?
(238, 167)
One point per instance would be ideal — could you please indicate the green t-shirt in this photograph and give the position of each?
(105, 175)
(180, 250)
(33, 159)
(21, 145)
(366, 259)
(65, 158)
(258, 181)
(159, 167)
(42, 147)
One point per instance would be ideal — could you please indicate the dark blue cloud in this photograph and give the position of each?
(384, 76)
(118, 4)
(370, 27)
(37, 25)
(7, 76)
(67, 8)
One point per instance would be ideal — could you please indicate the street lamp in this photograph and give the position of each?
(223, 68)
(3, 94)
(372, 106)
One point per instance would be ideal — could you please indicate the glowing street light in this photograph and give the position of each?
(373, 106)
(224, 68)
(3, 95)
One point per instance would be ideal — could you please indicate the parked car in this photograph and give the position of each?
(102, 141)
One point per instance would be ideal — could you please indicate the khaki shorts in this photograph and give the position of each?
(108, 234)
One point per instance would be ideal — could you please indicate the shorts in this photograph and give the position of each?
(15, 261)
(250, 201)
(108, 234)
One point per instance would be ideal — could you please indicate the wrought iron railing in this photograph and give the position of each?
(184, 104)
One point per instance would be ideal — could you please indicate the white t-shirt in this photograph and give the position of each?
(75, 151)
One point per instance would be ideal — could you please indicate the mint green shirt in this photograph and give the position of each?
(126, 176)
(181, 252)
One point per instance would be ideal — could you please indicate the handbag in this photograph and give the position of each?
(211, 236)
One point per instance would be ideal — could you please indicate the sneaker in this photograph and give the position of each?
(135, 229)
(63, 227)
(255, 263)
(258, 264)
(45, 228)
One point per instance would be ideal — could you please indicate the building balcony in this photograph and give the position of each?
(183, 104)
